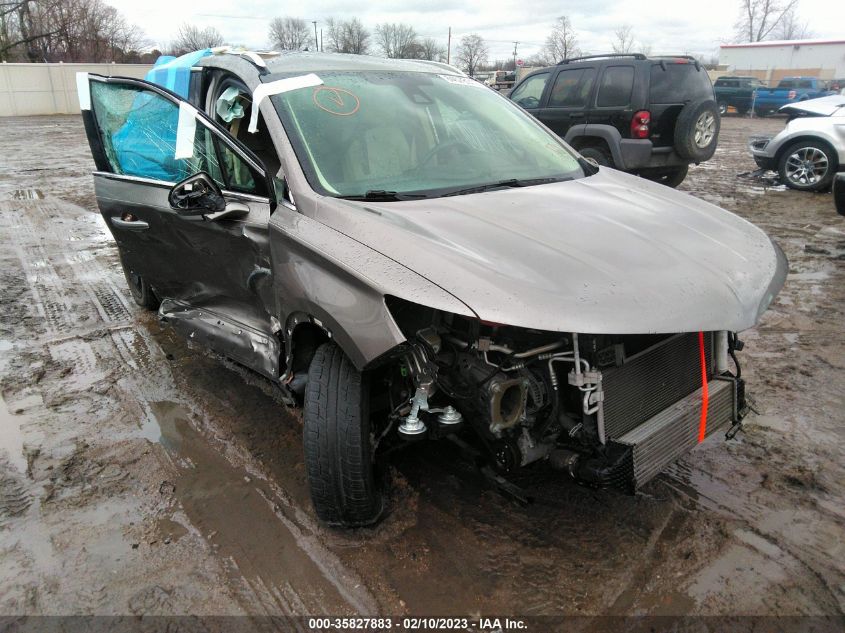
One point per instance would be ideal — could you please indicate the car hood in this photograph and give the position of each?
(823, 106)
(609, 253)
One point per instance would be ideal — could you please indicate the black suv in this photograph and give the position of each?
(650, 116)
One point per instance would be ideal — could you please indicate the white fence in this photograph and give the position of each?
(30, 89)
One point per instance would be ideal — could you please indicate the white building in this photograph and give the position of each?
(773, 60)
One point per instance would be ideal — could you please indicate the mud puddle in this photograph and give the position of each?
(239, 516)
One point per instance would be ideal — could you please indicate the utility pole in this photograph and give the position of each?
(515, 44)
(449, 47)
(316, 41)
(321, 40)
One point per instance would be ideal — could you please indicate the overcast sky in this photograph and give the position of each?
(669, 26)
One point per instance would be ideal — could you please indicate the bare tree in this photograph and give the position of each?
(289, 34)
(562, 43)
(791, 28)
(432, 50)
(624, 42)
(471, 53)
(348, 36)
(66, 30)
(398, 41)
(644, 48)
(759, 18)
(193, 38)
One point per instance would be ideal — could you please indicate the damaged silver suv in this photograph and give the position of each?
(411, 256)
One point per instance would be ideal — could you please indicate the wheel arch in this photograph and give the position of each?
(591, 135)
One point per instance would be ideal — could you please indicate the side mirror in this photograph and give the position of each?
(197, 195)
(839, 193)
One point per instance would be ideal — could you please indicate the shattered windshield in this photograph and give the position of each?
(417, 134)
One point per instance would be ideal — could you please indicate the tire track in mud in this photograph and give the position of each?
(90, 335)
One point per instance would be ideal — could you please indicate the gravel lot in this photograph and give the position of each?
(141, 476)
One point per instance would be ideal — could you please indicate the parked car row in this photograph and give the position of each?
(750, 93)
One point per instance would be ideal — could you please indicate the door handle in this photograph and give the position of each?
(577, 115)
(129, 225)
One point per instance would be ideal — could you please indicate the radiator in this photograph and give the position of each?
(652, 380)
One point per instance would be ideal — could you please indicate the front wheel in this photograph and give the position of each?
(723, 108)
(807, 166)
(338, 451)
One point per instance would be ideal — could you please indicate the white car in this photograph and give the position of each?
(809, 151)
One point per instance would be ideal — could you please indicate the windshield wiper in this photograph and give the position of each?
(380, 195)
(510, 183)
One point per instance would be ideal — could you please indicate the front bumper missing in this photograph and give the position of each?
(639, 455)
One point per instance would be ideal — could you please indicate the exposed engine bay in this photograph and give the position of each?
(611, 410)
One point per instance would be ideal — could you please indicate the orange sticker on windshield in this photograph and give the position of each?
(337, 101)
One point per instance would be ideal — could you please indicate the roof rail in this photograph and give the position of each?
(578, 59)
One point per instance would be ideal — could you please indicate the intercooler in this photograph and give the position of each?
(653, 404)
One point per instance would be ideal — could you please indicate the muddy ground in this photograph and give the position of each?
(141, 476)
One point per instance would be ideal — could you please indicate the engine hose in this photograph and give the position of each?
(732, 352)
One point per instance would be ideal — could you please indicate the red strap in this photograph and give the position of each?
(702, 425)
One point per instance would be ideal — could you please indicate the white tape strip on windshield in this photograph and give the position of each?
(185, 131)
(84, 91)
(278, 87)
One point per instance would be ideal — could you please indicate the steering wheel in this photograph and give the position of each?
(442, 147)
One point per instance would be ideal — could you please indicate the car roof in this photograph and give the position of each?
(292, 62)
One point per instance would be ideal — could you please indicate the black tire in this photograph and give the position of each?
(338, 455)
(141, 291)
(811, 151)
(742, 111)
(600, 156)
(697, 130)
(723, 108)
(669, 177)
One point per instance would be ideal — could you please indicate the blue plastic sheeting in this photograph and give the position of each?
(146, 144)
(174, 73)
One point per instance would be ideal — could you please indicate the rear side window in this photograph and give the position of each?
(678, 83)
(617, 82)
(572, 88)
(786, 83)
(805, 84)
(528, 93)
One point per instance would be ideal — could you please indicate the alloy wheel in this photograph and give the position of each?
(807, 166)
(705, 129)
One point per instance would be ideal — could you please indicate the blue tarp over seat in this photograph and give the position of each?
(146, 142)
